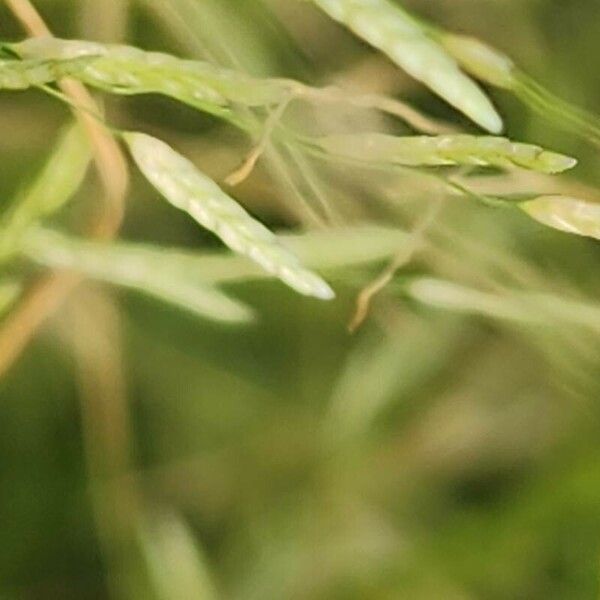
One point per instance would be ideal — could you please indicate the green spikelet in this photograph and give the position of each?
(430, 151)
(398, 35)
(186, 188)
(128, 70)
(565, 214)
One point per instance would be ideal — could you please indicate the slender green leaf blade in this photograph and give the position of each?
(134, 269)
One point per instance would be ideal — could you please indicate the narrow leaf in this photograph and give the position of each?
(511, 305)
(132, 269)
(495, 68)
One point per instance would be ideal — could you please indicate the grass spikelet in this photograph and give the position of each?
(394, 32)
(448, 150)
(565, 214)
(186, 188)
(24, 74)
(481, 60)
(134, 269)
(495, 68)
(128, 70)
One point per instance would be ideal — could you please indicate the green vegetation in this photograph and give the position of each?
(361, 361)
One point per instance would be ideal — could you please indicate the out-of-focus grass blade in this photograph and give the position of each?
(384, 368)
(175, 563)
(55, 185)
(480, 60)
(523, 307)
(326, 250)
(134, 268)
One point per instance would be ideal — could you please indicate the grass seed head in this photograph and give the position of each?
(460, 149)
(480, 60)
(566, 214)
(186, 188)
(395, 33)
(128, 70)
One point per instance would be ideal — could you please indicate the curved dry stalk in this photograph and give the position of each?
(403, 256)
(246, 168)
(47, 295)
(43, 299)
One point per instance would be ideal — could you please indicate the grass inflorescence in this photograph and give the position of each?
(447, 63)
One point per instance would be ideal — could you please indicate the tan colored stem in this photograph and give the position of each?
(95, 331)
(402, 258)
(48, 294)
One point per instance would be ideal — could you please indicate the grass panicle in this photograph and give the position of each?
(431, 151)
(495, 68)
(128, 70)
(331, 250)
(397, 34)
(186, 188)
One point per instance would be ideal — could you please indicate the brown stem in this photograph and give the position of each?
(48, 294)
(95, 331)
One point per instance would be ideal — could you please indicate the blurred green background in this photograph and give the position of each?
(435, 454)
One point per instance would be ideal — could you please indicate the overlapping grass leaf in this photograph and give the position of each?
(186, 188)
(327, 250)
(511, 305)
